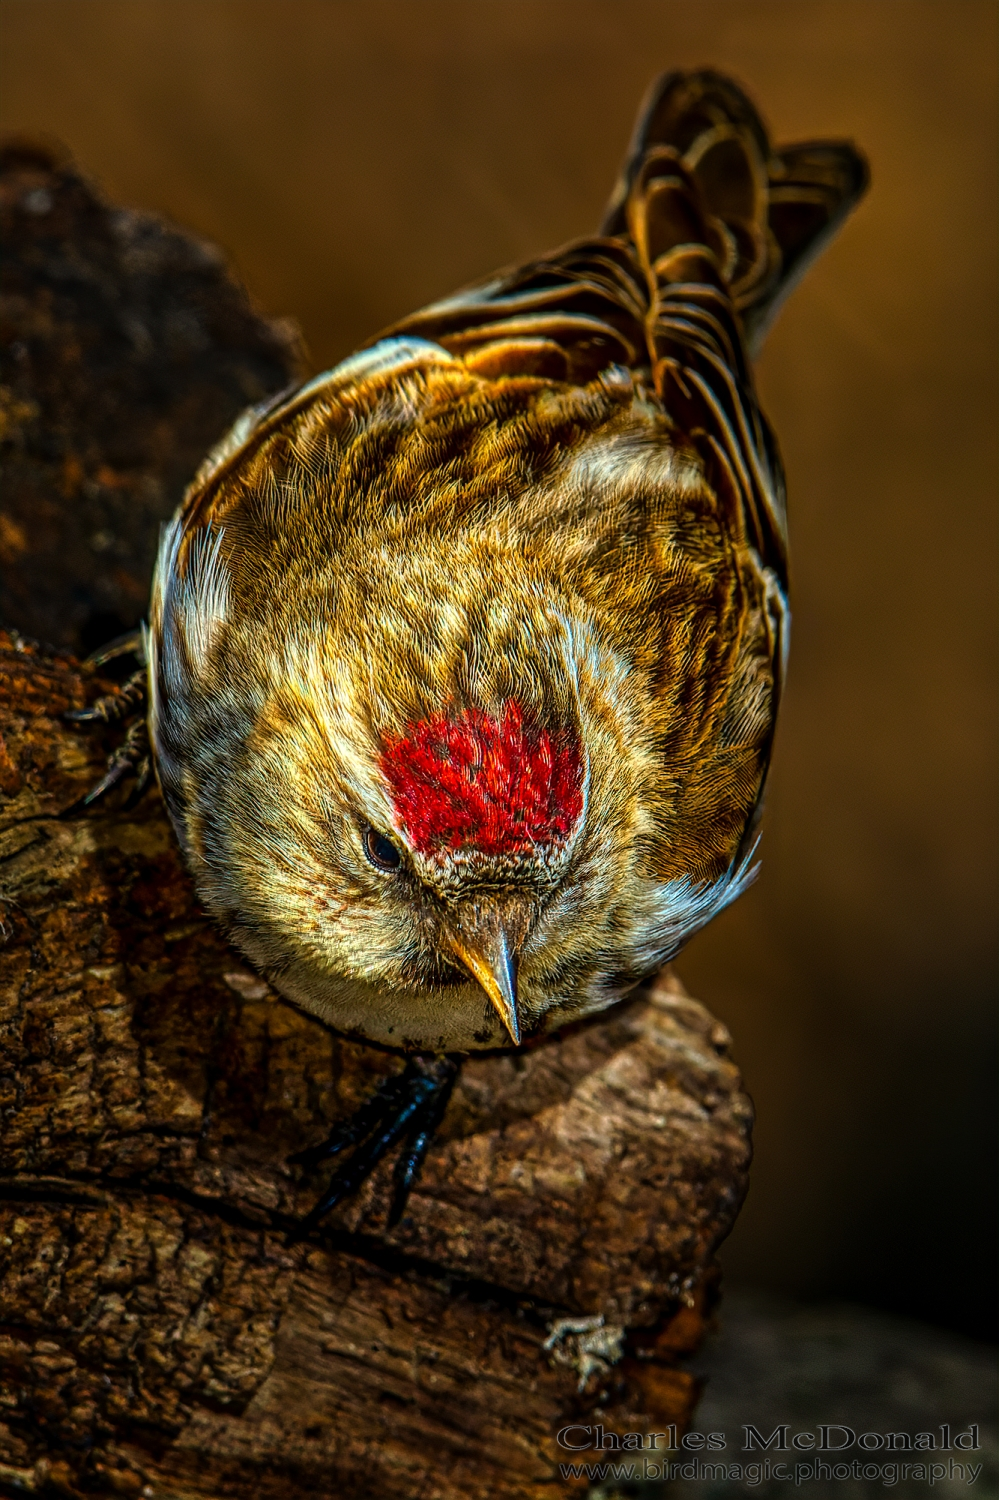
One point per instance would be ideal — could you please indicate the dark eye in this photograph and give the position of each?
(381, 851)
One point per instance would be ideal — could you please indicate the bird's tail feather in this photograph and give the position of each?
(765, 213)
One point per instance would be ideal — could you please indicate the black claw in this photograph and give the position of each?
(132, 755)
(410, 1160)
(358, 1125)
(113, 707)
(129, 644)
(143, 776)
(409, 1105)
(116, 771)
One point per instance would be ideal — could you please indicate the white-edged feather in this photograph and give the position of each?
(682, 907)
(388, 355)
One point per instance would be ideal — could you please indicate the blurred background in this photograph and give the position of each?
(356, 160)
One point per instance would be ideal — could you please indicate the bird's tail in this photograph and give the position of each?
(769, 211)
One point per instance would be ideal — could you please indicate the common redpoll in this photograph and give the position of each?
(464, 658)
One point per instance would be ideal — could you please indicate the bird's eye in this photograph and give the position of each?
(381, 851)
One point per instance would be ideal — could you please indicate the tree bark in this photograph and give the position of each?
(162, 1336)
(129, 348)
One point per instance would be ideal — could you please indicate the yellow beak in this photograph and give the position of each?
(487, 946)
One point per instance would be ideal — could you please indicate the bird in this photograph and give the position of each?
(464, 658)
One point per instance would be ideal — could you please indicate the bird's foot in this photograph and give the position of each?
(126, 706)
(407, 1107)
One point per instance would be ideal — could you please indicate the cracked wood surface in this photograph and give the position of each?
(130, 347)
(159, 1335)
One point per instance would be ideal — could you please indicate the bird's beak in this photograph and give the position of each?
(486, 940)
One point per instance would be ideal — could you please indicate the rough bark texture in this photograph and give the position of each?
(159, 1330)
(129, 349)
(160, 1333)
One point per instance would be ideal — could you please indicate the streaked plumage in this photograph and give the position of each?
(505, 591)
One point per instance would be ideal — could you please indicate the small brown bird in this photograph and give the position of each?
(464, 658)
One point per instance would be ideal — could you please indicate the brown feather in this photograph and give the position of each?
(555, 490)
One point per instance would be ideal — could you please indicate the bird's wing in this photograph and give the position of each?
(706, 231)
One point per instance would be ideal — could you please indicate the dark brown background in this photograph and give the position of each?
(359, 159)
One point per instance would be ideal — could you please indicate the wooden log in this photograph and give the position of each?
(129, 349)
(160, 1334)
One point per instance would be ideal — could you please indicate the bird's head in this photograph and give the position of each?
(419, 818)
(390, 851)
(485, 810)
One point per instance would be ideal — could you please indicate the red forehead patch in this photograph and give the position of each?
(495, 785)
